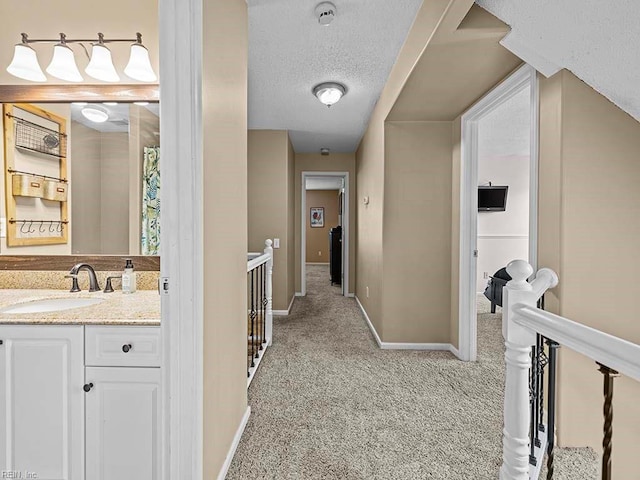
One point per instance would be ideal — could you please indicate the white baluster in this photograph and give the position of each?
(268, 249)
(518, 343)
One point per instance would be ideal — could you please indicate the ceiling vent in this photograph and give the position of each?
(326, 12)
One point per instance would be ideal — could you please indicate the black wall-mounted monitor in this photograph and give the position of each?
(492, 198)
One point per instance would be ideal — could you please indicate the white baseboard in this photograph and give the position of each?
(350, 295)
(234, 445)
(319, 263)
(299, 294)
(447, 347)
(282, 313)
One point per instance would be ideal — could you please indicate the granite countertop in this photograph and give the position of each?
(139, 308)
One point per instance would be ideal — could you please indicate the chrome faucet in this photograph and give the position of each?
(93, 280)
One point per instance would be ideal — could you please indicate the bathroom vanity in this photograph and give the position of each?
(80, 387)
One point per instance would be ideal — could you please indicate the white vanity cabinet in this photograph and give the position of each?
(123, 405)
(42, 402)
(80, 402)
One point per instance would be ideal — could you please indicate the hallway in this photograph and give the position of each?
(328, 403)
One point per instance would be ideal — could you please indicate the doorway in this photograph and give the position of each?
(491, 158)
(313, 220)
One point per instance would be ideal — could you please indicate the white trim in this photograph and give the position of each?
(523, 77)
(318, 263)
(346, 233)
(234, 445)
(252, 370)
(614, 352)
(368, 320)
(282, 313)
(180, 24)
(447, 347)
(351, 295)
(299, 294)
(502, 237)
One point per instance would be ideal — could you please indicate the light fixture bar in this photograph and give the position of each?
(24, 64)
(26, 39)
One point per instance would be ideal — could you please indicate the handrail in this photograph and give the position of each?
(616, 353)
(257, 261)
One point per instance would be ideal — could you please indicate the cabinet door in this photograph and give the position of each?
(41, 402)
(123, 423)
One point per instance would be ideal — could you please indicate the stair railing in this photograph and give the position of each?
(260, 307)
(525, 328)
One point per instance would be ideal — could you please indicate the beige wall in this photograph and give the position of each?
(87, 197)
(417, 232)
(115, 193)
(335, 162)
(589, 207)
(370, 157)
(318, 237)
(225, 226)
(270, 193)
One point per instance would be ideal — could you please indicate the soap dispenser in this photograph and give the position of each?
(128, 278)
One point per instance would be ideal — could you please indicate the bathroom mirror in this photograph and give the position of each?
(113, 168)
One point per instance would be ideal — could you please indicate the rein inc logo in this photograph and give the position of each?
(17, 474)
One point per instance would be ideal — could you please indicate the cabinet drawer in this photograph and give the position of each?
(112, 346)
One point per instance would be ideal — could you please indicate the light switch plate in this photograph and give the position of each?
(276, 243)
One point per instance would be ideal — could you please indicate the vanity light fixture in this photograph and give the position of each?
(95, 114)
(63, 65)
(329, 93)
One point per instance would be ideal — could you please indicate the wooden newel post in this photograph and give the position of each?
(518, 341)
(268, 249)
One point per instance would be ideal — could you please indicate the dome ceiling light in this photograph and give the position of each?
(63, 64)
(95, 114)
(329, 93)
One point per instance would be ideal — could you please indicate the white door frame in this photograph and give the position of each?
(345, 229)
(523, 77)
(180, 36)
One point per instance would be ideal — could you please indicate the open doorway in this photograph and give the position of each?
(325, 228)
(498, 195)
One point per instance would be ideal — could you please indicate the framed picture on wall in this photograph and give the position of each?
(316, 217)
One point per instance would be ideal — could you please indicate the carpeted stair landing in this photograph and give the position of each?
(327, 403)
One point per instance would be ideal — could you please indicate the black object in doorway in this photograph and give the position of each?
(335, 255)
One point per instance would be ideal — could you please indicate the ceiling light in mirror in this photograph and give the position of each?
(95, 114)
(110, 104)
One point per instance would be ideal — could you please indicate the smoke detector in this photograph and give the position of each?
(326, 12)
(324, 151)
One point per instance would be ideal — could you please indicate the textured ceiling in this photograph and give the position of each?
(506, 130)
(290, 52)
(597, 41)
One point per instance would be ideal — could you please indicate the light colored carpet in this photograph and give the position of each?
(327, 403)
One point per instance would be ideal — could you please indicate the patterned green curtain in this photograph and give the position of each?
(151, 202)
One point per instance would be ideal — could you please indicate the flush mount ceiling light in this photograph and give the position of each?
(329, 93)
(63, 64)
(95, 114)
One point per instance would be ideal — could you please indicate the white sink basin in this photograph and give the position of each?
(51, 305)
